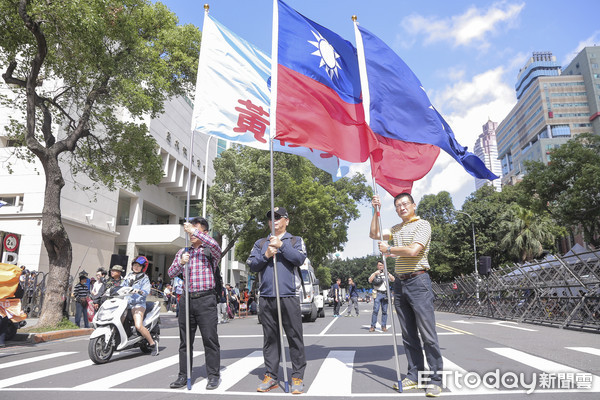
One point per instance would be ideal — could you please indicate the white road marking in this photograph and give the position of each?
(233, 373)
(335, 375)
(36, 359)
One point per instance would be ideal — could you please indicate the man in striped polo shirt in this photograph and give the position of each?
(413, 295)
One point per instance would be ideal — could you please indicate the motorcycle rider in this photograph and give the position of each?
(115, 280)
(138, 280)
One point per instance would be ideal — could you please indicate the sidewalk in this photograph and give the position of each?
(33, 338)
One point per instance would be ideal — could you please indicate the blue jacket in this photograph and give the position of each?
(289, 257)
(352, 292)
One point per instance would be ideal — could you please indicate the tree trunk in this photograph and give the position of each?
(57, 243)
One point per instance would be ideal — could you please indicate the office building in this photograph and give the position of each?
(486, 149)
(551, 109)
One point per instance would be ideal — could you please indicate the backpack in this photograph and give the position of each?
(216, 271)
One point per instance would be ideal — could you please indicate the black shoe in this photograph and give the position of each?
(179, 383)
(155, 348)
(212, 384)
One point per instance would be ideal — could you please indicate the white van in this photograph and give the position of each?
(311, 299)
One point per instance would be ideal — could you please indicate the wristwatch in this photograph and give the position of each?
(389, 251)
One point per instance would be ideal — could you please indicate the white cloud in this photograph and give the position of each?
(471, 28)
(590, 41)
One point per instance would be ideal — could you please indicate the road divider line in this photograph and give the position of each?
(453, 329)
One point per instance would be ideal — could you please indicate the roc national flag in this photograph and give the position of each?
(400, 109)
(233, 98)
(318, 89)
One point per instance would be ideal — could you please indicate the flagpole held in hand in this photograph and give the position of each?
(273, 131)
(187, 274)
(366, 105)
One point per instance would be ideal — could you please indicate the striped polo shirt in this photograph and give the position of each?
(416, 230)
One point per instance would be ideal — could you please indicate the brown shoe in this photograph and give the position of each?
(384, 328)
(372, 329)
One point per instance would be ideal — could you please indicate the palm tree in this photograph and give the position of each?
(526, 233)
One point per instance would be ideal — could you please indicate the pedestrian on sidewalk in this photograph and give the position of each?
(413, 294)
(81, 293)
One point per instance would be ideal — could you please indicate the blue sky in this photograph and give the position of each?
(467, 55)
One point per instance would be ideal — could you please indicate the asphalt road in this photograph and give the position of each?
(344, 359)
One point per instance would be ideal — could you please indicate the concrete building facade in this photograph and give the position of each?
(487, 150)
(550, 110)
(100, 222)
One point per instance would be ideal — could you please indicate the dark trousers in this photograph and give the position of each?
(79, 311)
(291, 316)
(413, 300)
(203, 315)
(336, 307)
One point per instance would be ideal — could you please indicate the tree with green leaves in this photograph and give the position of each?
(438, 210)
(319, 209)
(76, 68)
(527, 233)
(569, 186)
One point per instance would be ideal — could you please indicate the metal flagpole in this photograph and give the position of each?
(205, 177)
(187, 273)
(187, 265)
(273, 111)
(364, 83)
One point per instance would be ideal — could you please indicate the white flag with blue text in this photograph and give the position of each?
(232, 98)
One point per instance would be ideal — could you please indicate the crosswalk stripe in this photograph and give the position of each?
(36, 359)
(542, 364)
(335, 375)
(43, 373)
(233, 373)
(588, 350)
(451, 384)
(533, 361)
(131, 374)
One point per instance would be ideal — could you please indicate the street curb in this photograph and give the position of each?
(54, 335)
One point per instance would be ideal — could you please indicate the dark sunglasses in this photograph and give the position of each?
(278, 217)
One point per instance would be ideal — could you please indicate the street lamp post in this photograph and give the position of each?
(475, 255)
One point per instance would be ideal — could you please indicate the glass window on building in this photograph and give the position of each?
(561, 131)
(221, 146)
(13, 200)
(153, 215)
(123, 211)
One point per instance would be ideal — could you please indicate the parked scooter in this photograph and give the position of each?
(114, 328)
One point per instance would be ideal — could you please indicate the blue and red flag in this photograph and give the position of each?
(319, 102)
(400, 109)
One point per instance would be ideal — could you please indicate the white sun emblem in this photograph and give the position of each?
(327, 53)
